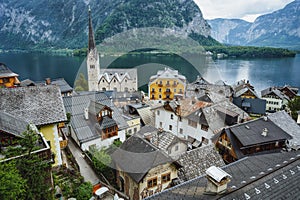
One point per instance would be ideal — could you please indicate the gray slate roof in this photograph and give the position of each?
(255, 106)
(77, 103)
(248, 175)
(215, 121)
(6, 72)
(274, 91)
(11, 124)
(136, 157)
(250, 133)
(195, 162)
(39, 105)
(286, 123)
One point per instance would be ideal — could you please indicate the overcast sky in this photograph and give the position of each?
(239, 9)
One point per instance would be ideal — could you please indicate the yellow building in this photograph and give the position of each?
(8, 79)
(166, 84)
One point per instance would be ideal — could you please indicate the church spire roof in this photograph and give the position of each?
(92, 44)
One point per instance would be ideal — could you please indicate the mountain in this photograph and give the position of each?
(63, 23)
(278, 29)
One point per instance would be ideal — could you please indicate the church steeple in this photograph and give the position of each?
(91, 33)
(93, 65)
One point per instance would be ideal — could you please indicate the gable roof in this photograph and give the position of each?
(120, 75)
(250, 133)
(270, 176)
(12, 125)
(84, 129)
(274, 91)
(6, 72)
(136, 157)
(244, 90)
(39, 105)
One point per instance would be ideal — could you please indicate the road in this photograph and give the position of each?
(85, 170)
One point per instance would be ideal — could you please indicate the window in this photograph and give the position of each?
(168, 82)
(152, 182)
(103, 81)
(92, 66)
(152, 96)
(181, 131)
(170, 127)
(192, 123)
(157, 112)
(126, 89)
(165, 178)
(204, 140)
(160, 124)
(159, 90)
(176, 148)
(160, 82)
(172, 117)
(114, 80)
(159, 96)
(104, 89)
(129, 131)
(180, 90)
(204, 127)
(153, 89)
(135, 130)
(175, 90)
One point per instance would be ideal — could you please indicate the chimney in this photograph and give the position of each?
(265, 132)
(86, 113)
(217, 180)
(48, 81)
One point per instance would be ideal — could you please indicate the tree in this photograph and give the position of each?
(12, 185)
(33, 169)
(294, 106)
(84, 191)
(100, 159)
(81, 83)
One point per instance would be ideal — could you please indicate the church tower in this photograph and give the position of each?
(93, 62)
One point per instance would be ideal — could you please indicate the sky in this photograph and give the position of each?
(248, 10)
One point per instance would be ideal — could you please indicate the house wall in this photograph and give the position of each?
(129, 85)
(298, 120)
(134, 126)
(164, 119)
(99, 143)
(160, 85)
(273, 103)
(131, 188)
(50, 133)
(8, 81)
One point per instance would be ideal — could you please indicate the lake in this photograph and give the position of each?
(262, 73)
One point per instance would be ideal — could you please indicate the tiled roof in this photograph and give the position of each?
(250, 133)
(6, 72)
(286, 123)
(270, 176)
(136, 157)
(195, 162)
(12, 125)
(62, 84)
(85, 129)
(39, 105)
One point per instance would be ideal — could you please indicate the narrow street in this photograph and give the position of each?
(85, 170)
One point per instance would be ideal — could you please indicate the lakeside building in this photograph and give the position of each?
(65, 88)
(95, 120)
(166, 85)
(269, 176)
(8, 79)
(246, 98)
(142, 169)
(298, 120)
(254, 137)
(121, 80)
(41, 106)
(276, 100)
(197, 121)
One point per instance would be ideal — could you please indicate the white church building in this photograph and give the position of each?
(121, 80)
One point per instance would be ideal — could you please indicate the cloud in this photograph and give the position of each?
(241, 9)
